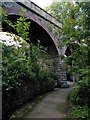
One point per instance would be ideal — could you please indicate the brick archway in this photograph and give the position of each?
(15, 11)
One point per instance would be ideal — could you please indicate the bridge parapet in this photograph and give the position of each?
(42, 13)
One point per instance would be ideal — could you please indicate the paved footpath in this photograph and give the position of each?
(53, 105)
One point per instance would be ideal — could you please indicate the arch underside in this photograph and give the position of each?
(38, 30)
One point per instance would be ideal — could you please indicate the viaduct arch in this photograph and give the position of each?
(39, 30)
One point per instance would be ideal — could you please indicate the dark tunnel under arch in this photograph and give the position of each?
(68, 52)
(36, 32)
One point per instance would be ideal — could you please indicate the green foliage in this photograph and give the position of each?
(23, 62)
(79, 98)
(73, 17)
(46, 74)
(81, 112)
(76, 36)
(21, 26)
(75, 33)
(15, 67)
(75, 93)
(18, 68)
(55, 9)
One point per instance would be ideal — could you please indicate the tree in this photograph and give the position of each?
(74, 29)
(76, 36)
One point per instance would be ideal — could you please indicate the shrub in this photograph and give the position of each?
(81, 112)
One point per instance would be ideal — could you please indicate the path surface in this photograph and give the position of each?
(53, 105)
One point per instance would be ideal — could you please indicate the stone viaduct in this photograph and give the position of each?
(43, 27)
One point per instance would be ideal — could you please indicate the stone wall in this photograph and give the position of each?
(15, 98)
(12, 100)
(59, 70)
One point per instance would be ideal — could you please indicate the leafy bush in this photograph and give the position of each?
(23, 62)
(46, 75)
(16, 68)
(80, 98)
(74, 93)
(19, 67)
(81, 112)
